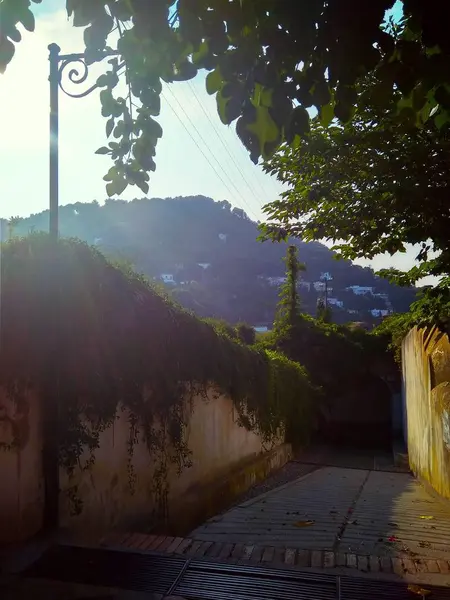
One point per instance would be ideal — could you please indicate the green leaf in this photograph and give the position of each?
(143, 185)
(298, 124)
(109, 127)
(117, 186)
(264, 128)
(110, 189)
(441, 119)
(326, 114)
(103, 150)
(7, 51)
(27, 19)
(214, 81)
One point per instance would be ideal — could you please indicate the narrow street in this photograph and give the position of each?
(374, 512)
(311, 530)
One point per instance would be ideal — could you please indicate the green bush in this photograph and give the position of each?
(94, 336)
(246, 333)
(431, 308)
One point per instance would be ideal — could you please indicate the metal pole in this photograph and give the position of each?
(54, 59)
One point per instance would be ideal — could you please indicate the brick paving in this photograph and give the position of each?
(296, 558)
(360, 520)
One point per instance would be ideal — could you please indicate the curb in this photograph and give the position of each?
(277, 557)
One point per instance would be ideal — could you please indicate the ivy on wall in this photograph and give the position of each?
(98, 338)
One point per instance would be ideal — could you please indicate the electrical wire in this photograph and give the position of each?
(195, 142)
(207, 146)
(222, 141)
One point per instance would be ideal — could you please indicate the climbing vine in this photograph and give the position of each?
(99, 339)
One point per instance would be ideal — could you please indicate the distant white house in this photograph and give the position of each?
(376, 312)
(204, 265)
(320, 286)
(276, 280)
(360, 290)
(167, 278)
(306, 285)
(336, 302)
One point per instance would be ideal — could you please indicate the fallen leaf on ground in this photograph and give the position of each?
(303, 523)
(427, 517)
(415, 589)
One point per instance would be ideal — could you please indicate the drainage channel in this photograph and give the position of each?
(206, 580)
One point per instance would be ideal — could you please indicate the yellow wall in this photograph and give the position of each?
(217, 442)
(426, 381)
(21, 482)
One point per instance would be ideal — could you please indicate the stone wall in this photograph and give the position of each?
(110, 494)
(21, 480)
(426, 389)
(219, 446)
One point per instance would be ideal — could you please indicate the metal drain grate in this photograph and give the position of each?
(109, 568)
(214, 581)
(204, 580)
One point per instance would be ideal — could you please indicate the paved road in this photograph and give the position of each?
(339, 509)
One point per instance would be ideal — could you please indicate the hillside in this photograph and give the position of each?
(211, 260)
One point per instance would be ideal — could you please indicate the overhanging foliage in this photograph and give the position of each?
(77, 328)
(371, 187)
(268, 61)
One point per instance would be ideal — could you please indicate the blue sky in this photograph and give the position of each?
(182, 169)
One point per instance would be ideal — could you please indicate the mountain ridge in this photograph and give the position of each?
(175, 236)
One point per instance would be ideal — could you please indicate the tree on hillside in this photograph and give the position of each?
(323, 312)
(371, 187)
(289, 304)
(268, 62)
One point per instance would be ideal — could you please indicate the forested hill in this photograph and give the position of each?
(210, 250)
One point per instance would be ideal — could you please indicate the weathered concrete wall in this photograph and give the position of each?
(426, 387)
(219, 446)
(21, 480)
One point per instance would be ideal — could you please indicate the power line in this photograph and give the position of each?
(246, 157)
(206, 144)
(222, 141)
(195, 142)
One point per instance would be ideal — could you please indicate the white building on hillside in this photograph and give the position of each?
(276, 280)
(376, 312)
(167, 278)
(306, 285)
(336, 302)
(320, 286)
(360, 290)
(261, 328)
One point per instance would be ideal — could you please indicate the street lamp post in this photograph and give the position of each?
(78, 74)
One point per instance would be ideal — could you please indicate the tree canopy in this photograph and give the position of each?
(268, 62)
(372, 186)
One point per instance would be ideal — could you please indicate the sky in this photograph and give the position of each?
(197, 154)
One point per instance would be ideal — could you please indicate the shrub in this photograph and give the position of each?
(92, 336)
